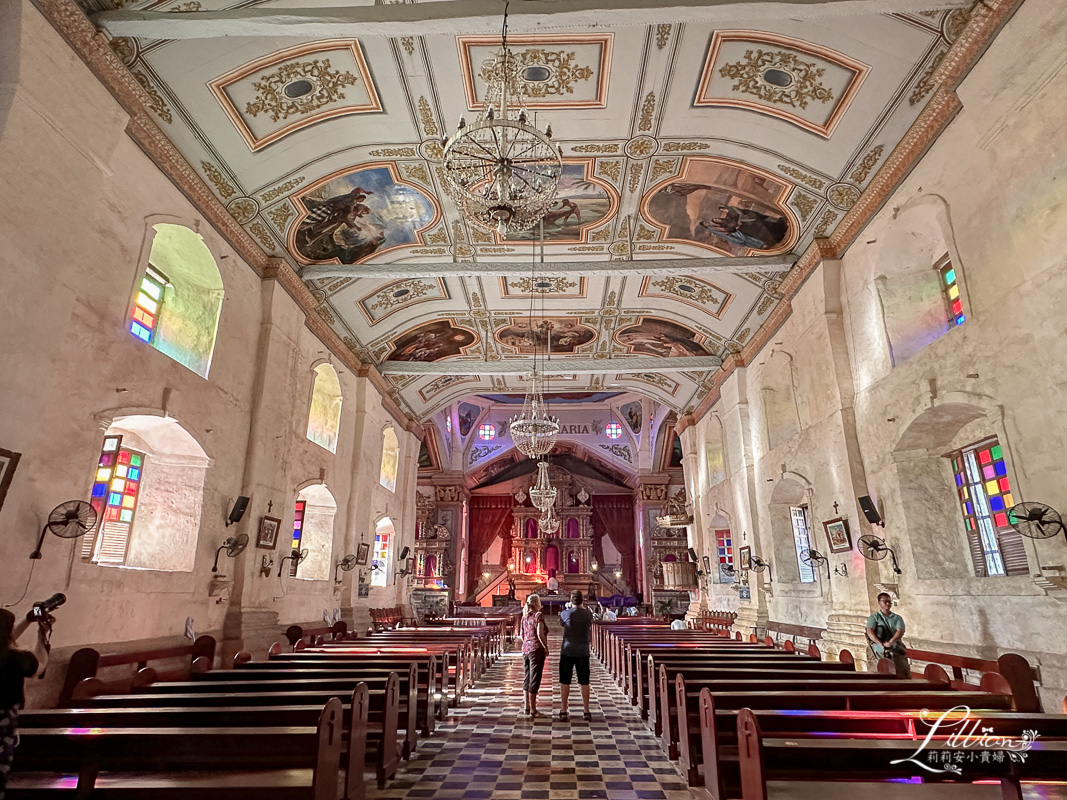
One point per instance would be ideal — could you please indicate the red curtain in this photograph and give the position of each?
(490, 517)
(614, 515)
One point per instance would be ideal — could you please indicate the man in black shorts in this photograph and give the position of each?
(577, 624)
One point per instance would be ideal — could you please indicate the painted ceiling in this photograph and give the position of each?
(719, 142)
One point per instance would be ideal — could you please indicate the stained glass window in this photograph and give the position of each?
(724, 545)
(802, 541)
(486, 431)
(613, 430)
(147, 305)
(950, 289)
(380, 557)
(116, 489)
(298, 532)
(984, 494)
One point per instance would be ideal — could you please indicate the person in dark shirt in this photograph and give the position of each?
(577, 624)
(15, 667)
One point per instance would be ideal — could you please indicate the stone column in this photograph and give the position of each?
(453, 496)
(696, 536)
(651, 494)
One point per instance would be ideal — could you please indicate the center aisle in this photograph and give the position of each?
(487, 749)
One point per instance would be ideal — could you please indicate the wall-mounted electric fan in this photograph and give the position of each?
(234, 546)
(296, 557)
(813, 558)
(874, 548)
(346, 564)
(68, 520)
(1035, 520)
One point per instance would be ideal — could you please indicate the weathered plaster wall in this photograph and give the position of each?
(73, 221)
(992, 194)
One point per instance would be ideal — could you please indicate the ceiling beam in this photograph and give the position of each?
(470, 269)
(562, 366)
(452, 17)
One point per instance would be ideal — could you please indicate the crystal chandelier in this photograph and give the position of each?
(534, 431)
(501, 171)
(543, 493)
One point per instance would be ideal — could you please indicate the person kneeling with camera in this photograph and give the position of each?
(15, 666)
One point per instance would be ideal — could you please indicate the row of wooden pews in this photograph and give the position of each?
(747, 720)
(303, 724)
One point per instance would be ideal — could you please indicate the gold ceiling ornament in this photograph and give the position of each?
(501, 171)
(262, 235)
(610, 169)
(843, 195)
(156, 102)
(562, 73)
(803, 177)
(663, 34)
(684, 147)
(827, 220)
(327, 85)
(281, 189)
(648, 108)
(393, 152)
(635, 176)
(802, 86)
(595, 148)
(242, 209)
(222, 186)
(860, 173)
(926, 82)
(804, 204)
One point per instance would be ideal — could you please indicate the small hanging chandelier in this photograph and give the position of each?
(501, 171)
(549, 523)
(543, 493)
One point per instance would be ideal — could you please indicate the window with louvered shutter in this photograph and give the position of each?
(116, 490)
(984, 495)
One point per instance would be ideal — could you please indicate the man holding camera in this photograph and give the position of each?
(885, 631)
(15, 666)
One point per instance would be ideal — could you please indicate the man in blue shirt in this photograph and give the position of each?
(577, 624)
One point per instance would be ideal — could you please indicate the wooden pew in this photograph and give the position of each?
(718, 757)
(701, 736)
(312, 636)
(87, 663)
(766, 762)
(146, 763)
(650, 690)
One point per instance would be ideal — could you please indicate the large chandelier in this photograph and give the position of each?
(502, 171)
(543, 493)
(534, 431)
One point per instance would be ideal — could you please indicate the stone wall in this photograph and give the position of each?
(79, 202)
(884, 387)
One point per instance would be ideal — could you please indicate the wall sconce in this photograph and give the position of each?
(841, 569)
(265, 565)
(595, 566)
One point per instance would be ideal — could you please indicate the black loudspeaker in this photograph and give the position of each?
(404, 553)
(869, 511)
(692, 556)
(238, 510)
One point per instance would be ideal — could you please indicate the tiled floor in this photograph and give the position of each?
(487, 750)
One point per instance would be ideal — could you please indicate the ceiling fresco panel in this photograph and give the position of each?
(432, 342)
(723, 206)
(353, 215)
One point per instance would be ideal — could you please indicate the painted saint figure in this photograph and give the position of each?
(746, 227)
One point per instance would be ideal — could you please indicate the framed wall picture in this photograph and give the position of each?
(837, 535)
(267, 538)
(744, 557)
(707, 565)
(362, 552)
(9, 459)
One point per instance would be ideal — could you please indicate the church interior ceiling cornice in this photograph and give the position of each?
(326, 152)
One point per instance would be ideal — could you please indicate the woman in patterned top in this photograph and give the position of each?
(534, 651)
(15, 667)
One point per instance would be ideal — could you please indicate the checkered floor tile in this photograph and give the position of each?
(488, 750)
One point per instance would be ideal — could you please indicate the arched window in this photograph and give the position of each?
(313, 530)
(148, 489)
(390, 460)
(383, 543)
(325, 416)
(178, 299)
